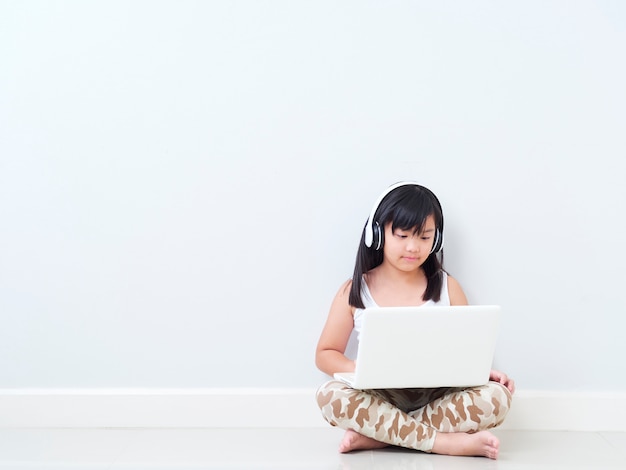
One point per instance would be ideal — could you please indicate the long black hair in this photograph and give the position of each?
(405, 207)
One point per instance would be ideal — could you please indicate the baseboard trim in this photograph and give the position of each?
(263, 408)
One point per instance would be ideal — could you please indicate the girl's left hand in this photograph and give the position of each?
(503, 379)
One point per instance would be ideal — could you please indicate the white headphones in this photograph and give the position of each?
(373, 230)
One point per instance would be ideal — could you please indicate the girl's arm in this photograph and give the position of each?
(455, 292)
(329, 355)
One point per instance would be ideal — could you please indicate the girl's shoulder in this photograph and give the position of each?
(341, 303)
(455, 292)
(346, 286)
(343, 293)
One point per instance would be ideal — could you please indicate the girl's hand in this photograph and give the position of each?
(502, 378)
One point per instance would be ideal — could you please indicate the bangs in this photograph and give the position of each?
(411, 212)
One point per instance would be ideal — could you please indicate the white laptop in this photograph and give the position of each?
(425, 347)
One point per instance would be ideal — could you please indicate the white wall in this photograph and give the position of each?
(183, 183)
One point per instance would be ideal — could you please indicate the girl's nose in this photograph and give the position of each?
(412, 244)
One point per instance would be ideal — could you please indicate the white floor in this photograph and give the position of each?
(314, 448)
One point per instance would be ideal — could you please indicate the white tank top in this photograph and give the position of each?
(368, 301)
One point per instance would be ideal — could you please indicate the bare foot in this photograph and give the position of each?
(483, 444)
(352, 440)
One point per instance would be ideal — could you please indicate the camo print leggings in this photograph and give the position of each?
(412, 417)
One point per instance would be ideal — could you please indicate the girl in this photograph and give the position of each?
(398, 264)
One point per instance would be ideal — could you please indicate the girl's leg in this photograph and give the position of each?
(462, 416)
(466, 410)
(372, 416)
(455, 414)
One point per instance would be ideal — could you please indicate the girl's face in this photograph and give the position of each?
(408, 249)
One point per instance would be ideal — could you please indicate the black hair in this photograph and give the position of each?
(405, 207)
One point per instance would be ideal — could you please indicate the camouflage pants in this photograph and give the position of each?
(412, 417)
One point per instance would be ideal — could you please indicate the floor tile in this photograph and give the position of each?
(316, 448)
(62, 448)
(549, 450)
(617, 440)
(232, 448)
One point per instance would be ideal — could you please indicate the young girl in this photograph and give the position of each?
(399, 263)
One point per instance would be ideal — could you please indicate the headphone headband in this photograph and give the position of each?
(369, 229)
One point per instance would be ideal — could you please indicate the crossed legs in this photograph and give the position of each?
(444, 421)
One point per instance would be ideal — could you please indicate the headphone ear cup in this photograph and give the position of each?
(377, 242)
(438, 243)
